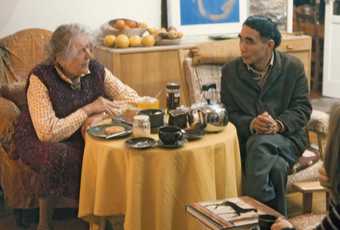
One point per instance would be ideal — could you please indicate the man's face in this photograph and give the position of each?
(254, 49)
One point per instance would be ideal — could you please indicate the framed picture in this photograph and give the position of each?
(195, 17)
(280, 11)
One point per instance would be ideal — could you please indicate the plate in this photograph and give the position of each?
(173, 146)
(141, 142)
(194, 134)
(99, 131)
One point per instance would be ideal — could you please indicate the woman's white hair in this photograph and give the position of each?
(332, 157)
(61, 41)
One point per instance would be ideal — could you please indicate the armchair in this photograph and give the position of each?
(204, 66)
(19, 53)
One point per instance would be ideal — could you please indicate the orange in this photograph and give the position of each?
(148, 40)
(109, 40)
(122, 41)
(119, 24)
(131, 24)
(135, 41)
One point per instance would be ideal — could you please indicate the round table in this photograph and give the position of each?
(152, 186)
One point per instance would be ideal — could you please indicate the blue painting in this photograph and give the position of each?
(193, 12)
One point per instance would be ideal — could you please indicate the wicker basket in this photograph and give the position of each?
(109, 29)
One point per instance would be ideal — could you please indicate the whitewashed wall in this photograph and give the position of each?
(20, 14)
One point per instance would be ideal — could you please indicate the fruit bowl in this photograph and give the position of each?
(125, 26)
(107, 29)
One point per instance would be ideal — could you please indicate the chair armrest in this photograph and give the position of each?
(309, 157)
(318, 124)
(9, 113)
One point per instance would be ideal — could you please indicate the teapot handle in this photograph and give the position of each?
(208, 92)
(208, 86)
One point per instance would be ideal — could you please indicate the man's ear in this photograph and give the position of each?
(271, 43)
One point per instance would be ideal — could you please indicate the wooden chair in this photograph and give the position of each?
(20, 52)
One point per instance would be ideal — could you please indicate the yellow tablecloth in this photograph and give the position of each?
(151, 187)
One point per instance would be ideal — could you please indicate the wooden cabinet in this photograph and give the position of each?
(147, 70)
(301, 47)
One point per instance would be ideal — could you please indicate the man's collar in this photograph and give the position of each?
(270, 64)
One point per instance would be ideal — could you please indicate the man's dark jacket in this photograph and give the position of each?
(284, 96)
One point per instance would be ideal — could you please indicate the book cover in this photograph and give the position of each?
(237, 212)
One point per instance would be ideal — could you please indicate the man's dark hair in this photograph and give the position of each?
(266, 28)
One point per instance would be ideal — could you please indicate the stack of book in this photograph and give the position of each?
(236, 213)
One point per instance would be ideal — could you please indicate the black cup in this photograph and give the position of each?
(156, 117)
(266, 221)
(170, 135)
(178, 117)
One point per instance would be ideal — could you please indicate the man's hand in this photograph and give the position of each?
(265, 124)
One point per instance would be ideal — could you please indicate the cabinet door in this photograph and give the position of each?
(331, 76)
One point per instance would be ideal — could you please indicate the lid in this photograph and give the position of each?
(141, 118)
(146, 99)
(172, 85)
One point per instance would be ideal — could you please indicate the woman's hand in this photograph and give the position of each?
(102, 104)
(91, 121)
(281, 223)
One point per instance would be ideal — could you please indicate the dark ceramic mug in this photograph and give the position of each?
(170, 135)
(178, 117)
(266, 221)
(156, 117)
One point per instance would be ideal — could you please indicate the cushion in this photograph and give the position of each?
(198, 75)
(318, 122)
(26, 49)
(9, 113)
(218, 52)
(7, 74)
(16, 93)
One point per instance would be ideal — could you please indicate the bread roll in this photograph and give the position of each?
(113, 129)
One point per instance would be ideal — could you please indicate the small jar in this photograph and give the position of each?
(141, 126)
(172, 96)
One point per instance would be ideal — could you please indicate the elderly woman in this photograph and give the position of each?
(329, 176)
(68, 92)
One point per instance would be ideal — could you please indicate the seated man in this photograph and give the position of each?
(266, 95)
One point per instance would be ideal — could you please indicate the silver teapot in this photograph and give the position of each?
(209, 112)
